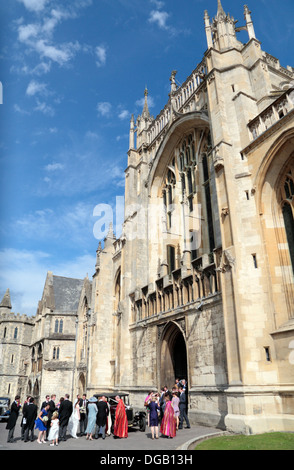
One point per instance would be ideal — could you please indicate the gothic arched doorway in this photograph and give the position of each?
(173, 356)
(82, 384)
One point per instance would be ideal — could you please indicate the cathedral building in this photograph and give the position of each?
(200, 284)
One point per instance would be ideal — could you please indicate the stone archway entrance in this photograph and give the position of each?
(173, 356)
(82, 384)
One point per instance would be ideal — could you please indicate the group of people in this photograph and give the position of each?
(170, 408)
(93, 416)
(55, 420)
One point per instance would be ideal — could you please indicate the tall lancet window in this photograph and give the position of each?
(168, 194)
(288, 210)
(289, 227)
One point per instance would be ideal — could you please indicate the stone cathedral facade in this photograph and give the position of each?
(200, 283)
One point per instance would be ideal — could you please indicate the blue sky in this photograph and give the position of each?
(73, 72)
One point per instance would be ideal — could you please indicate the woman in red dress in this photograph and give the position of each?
(168, 423)
(121, 421)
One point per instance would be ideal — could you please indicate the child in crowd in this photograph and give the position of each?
(54, 430)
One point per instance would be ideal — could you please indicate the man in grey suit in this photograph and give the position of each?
(183, 406)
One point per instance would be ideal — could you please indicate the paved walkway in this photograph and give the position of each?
(136, 441)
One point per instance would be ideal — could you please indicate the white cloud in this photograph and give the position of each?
(35, 87)
(124, 114)
(70, 222)
(104, 108)
(54, 167)
(28, 31)
(24, 273)
(44, 108)
(159, 17)
(38, 70)
(61, 54)
(20, 110)
(38, 37)
(34, 5)
(101, 56)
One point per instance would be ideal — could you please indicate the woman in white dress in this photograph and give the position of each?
(74, 420)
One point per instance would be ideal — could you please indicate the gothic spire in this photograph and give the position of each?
(220, 10)
(145, 113)
(132, 133)
(110, 234)
(6, 302)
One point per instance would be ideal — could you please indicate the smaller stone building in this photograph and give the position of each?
(15, 339)
(37, 354)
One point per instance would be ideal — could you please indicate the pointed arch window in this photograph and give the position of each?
(206, 178)
(289, 227)
(117, 291)
(287, 198)
(171, 259)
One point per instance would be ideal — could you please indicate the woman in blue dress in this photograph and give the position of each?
(41, 424)
(154, 410)
(92, 413)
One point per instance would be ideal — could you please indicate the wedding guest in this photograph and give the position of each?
(46, 402)
(121, 421)
(183, 407)
(65, 412)
(30, 415)
(184, 385)
(41, 424)
(146, 403)
(14, 412)
(74, 420)
(50, 412)
(54, 429)
(154, 410)
(83, 414)
(162, 403)
(177, 383)
(175, 403)
(22, 424)
(168, 424)
(101, 417)
(59, 403)
(166, 391)
(92, 413)
(108, 420)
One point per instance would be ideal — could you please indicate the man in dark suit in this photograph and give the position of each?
(46, 402)
(183, 406)
(14, 412)
(101, 418)
(65, 412)
(22, 424)
(30, 415)
(83, 404)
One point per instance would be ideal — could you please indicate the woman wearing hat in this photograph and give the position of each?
(92, 413)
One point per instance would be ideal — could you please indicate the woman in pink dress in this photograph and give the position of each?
(168, 423)
(175, 403)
